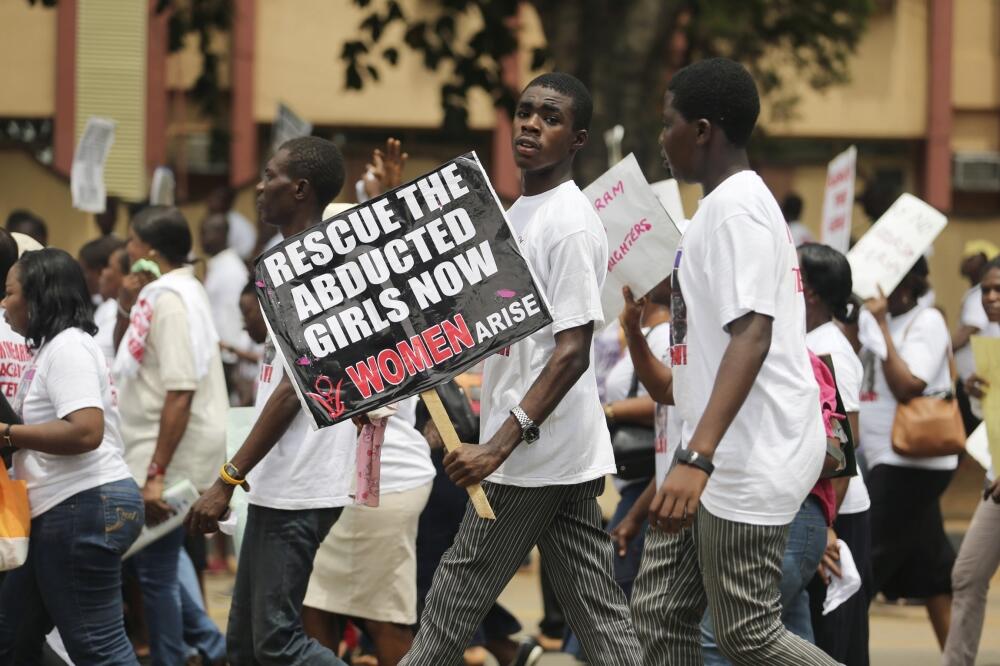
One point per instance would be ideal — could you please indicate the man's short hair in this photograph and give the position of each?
(721, 91)
(320, 162)
(572, 87)
(95, 254)
(28, 223)
(791, 208)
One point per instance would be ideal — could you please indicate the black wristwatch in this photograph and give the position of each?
(529, 430)
(694, 459)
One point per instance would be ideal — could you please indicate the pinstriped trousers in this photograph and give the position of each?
(565, 522)
(732, 568)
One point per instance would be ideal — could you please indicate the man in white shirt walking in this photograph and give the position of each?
(298, 479)
(546, 447)
(752, 442)
(225, 276)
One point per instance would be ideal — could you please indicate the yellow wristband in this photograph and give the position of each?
(228, 479)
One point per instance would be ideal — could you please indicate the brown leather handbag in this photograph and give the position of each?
(929, 426)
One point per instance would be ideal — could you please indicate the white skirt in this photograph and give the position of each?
(367, 565)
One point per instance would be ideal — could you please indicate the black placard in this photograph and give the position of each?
(398, 294)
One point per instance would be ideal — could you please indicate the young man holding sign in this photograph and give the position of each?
(752, 441)
(301, 477)
(546, 447)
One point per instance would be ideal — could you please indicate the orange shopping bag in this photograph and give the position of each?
(15, 521)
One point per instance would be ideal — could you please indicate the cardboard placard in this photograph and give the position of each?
(397, 295)
(986, 351)
(642, 238)
(86, 181)
(838, 200)
(884, 255)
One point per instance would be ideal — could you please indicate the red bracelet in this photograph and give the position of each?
(155, 470)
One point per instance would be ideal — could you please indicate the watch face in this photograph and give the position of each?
(531, 434)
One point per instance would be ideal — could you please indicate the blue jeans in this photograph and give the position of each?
(625, 568)
(155, 566)
(806, 543)
(200, 633)
(73, 576)
(276, 560)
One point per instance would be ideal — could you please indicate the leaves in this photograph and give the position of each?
(391, 56)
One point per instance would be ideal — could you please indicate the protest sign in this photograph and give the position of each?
(838, 200)
(86, 181)
(399, 294)
(287, 126)
(987, 354)
(888, 251)
(669, 194)
(642, 239)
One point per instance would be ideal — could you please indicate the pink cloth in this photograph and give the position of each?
(823, 490)
(368, 463)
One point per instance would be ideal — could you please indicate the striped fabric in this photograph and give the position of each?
(565, 522)
(733, 567)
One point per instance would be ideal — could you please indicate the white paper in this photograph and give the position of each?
(669, 194)
(87, 172)
(287, 126)
(180, 496)
(978, 446)
(161, 190)
(888, 251)
(845, 586)
(838, 200)
(642, 238)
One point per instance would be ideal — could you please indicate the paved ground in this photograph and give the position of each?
(900, 635)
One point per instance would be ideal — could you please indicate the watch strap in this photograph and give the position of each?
(694, 459)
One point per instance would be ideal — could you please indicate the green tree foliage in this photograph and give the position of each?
(624, 50)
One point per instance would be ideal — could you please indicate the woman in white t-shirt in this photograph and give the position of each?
(979, 556)
(827, 284)
(174, 403)
(906, 355)
(86, 509)
(367, 566)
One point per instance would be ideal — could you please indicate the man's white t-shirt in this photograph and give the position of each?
(921, 338)
(69, 373)
(738, 257)
(15, 357)
(306, 469)
(667, 430)
(973, 314)
(225, 277)
(106, 318)
(829, 339)
(562, 239)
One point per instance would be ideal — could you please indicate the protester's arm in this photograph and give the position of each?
(629, 527)
(653, 374)
(903, 384)
(77, 432)
(639, 410)
(962, 336)
(278, 413)
(173, 423)
(750, 339)
(570, 359)
(132, 284)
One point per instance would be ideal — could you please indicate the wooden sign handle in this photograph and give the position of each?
(452, 443)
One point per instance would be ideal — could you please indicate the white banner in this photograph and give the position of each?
(287, 126)
(888, 251)
(838, 200)
(642, 239)
(86, 182)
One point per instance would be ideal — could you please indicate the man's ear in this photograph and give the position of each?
(703, 131)
(302, 188)
(580, 139)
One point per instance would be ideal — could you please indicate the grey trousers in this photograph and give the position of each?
(733, 568)
(565, 523)
(977, 561)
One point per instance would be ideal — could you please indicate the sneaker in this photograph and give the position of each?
(528, 653)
